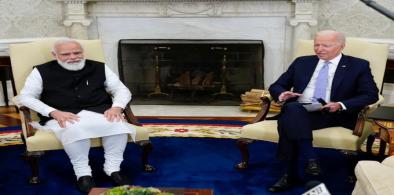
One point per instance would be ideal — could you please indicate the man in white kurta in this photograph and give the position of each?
(79, 99)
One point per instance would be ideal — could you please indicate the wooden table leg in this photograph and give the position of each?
(391, 141)
(5, 92)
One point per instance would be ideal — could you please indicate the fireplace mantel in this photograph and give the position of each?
(79, 14)
(277, 22)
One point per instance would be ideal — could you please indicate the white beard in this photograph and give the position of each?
(73, 66)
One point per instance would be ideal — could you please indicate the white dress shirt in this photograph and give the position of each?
(307, 94)
(30, 94)
(90, 124)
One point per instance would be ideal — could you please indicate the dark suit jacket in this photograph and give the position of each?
(353, 83)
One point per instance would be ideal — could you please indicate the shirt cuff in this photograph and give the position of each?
(47, 111)
(342, 105)
(118, 105)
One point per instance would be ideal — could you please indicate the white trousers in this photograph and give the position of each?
(114, 147)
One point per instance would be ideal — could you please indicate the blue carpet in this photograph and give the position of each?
(180, 162)
(10, 128)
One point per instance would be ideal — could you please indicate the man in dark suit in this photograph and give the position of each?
(344, 82)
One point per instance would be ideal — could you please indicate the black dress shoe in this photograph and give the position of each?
(284, 183)
(119, 179)
(85, 183)
(313, 167)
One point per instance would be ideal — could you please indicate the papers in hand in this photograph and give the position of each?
(312, 107)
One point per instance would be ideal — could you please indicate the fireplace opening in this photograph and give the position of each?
(190, 72)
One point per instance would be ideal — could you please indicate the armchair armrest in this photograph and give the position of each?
(377, 103)
(16, 101)
(362, 117)
(265, 105)
(26, 120)
(25, 117)
(130, 117)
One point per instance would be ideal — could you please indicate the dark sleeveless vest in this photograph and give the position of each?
(73, 91)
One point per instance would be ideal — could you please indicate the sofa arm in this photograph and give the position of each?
(373, 178)
(389, 161)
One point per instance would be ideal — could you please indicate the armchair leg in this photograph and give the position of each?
(370, 140)
(33, 158)
(382, 149)
(242, 144)
(146, 149)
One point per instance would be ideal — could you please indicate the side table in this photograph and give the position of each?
(383, 117)
(5, 75)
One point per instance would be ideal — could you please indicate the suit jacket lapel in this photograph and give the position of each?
(308, 72)
(339, 74)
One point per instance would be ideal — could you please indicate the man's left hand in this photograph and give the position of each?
(114, 114)
(333, 106)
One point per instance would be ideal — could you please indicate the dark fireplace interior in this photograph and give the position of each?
(190, 72)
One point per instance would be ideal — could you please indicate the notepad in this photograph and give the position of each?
(313, 107)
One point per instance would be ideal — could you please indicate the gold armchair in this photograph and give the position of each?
(333, 137)
(23, 58)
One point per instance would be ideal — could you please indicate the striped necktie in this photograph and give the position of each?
(321, 83)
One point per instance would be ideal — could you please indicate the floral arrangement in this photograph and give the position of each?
(134, 190)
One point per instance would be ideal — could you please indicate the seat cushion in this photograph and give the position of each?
(46, 140)
(373, 178)
(332, 137)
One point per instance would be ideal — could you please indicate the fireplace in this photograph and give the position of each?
(174, 71)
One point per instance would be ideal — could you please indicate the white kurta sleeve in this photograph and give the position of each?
(30, 94)
(121, 95)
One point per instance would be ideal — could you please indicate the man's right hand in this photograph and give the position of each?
(287, 95)
(63, 117)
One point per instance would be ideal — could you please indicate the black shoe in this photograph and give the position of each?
(85, 183)
(119, 179)
(284, 183)
(313, 167)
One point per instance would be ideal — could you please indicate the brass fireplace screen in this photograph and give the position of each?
(209, 72)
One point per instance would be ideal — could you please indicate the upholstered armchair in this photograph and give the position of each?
(339, 138)
(23, 58)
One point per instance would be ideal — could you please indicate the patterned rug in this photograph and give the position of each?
(159, 128)
(10, 136)
(172, 128)
(193, 128)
